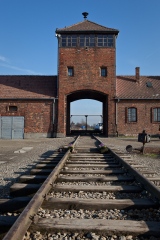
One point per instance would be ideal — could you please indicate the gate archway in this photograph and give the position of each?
(88, 94)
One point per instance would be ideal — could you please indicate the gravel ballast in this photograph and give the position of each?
(17, 157)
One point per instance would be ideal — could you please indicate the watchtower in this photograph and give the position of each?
(86, 70)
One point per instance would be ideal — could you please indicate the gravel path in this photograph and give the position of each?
(19, 156)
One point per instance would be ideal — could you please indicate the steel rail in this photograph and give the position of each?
(149, 186)
(17, 231)
(143, 180)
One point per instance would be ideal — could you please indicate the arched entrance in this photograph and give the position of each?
(88, 94)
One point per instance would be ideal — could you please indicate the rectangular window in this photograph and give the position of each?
(103, 72)
(87, 40)
(105, 40)
(92, 41)
(70, 71)
(156, 114)
(63, 41)
(69, 41)
(74, 40)
(110, 41)
(82, 41)
(101, 40)
(132, 114)
(13, 108)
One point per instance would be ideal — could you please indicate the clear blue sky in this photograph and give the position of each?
(28, 45)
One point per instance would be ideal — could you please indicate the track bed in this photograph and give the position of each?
(89, 195)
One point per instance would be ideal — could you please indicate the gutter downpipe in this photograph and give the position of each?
(58, 38)
(117, 115)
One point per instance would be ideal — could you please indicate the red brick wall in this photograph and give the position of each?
(86, 63)
(144, 117)
(37, 114)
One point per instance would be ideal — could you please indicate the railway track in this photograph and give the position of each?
(83, 195)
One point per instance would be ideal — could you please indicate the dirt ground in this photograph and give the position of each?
(151, 147)
(10, 148)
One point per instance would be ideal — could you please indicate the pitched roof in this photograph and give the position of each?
(87, 26)
(31, 87)
(147, 87)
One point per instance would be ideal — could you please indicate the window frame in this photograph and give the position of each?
(88, 40)
(156, 114)
(103, 71)
(132, 115)
(12, 108)
(69, 40)
(70, 71)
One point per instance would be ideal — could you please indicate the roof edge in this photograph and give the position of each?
(67, 29)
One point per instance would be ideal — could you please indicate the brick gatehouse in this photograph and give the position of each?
(39, 106)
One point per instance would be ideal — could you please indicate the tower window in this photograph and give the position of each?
(105, 41)
(69, 41)
(103, 72)
(70, 71)
(87, 40)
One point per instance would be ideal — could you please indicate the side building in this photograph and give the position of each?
(27, 106)
(137, 104)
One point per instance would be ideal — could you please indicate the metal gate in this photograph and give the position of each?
(12, 127)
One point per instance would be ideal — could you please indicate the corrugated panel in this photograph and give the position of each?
(18, 122)
(6, 126)
(18, 128)
(12, 127)
(17, 133)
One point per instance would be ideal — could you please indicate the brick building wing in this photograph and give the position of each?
(27, 106)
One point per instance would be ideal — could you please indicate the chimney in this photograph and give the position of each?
(137, 73)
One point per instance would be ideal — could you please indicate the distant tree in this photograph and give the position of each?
(78, 125)
(72, 125)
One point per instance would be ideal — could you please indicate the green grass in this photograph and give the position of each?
(152, 155)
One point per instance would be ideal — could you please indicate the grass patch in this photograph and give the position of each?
(152, 155)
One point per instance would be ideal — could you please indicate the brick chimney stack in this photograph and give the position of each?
(137, 73)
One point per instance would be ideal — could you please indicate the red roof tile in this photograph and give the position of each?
(28, 87)
(86, 26)
(127, 87)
